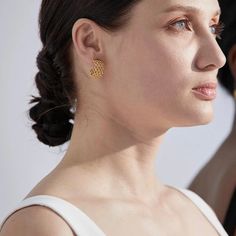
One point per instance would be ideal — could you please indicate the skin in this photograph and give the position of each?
(121, 119)
(224, 183)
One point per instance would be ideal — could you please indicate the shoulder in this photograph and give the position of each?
(201, 203)
(35, 220)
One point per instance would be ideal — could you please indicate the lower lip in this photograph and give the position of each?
(205, 93)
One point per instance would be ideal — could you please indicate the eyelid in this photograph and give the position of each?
(176, 20)
(186, 20)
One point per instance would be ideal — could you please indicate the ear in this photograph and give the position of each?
(232, 60)
(87, 40)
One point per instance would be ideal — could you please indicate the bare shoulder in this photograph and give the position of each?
(35, 220)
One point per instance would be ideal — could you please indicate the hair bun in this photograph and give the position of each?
(53, 125)
(53, 134)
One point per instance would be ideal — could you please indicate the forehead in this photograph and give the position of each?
(201, 7)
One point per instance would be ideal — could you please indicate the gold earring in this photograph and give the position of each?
(98, 69)
(235, 94)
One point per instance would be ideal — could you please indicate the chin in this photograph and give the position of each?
(197, 117)
(202, 119)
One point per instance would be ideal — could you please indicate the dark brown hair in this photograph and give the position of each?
(52, 114)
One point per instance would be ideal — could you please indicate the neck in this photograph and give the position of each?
(122, 162)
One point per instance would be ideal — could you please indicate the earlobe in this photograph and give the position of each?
(232, 60)
(85, 39)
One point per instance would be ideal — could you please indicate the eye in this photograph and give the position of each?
(217, 29)
(181, 25)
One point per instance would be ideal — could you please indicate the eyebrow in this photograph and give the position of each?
(187, 9)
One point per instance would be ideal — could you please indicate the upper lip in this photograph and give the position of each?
(207, 84)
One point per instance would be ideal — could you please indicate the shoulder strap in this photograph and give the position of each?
(205, 209)
(80, 223)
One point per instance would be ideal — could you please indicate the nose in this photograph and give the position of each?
(210, 55)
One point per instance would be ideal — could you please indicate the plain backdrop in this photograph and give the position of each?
(24, 160)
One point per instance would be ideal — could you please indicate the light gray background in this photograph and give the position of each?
(24, 160)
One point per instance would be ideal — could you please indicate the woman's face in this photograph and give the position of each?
(168, 48)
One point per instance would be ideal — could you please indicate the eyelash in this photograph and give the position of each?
(219, 28)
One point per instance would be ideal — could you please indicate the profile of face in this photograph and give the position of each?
(167, 48)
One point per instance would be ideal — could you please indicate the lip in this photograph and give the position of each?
(205, 90)
(210, 85)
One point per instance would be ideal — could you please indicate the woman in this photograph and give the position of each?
(220, 194)
(135, 69)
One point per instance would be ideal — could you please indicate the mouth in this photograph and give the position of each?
(204, 93)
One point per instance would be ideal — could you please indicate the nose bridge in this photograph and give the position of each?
(210, 54)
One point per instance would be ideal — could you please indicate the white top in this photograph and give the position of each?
(83, 225)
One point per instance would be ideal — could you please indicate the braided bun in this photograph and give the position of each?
(52, 112)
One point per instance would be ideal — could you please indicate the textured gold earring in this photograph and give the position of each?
(235, 94)
(98, 69)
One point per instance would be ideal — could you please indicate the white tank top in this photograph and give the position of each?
(83, 225)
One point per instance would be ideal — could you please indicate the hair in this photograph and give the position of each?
(228, 8)
(52, 112)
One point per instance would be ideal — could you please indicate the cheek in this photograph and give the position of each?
(150, 76)
(160, 71)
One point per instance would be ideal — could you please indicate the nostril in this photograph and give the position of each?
(210, 67)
